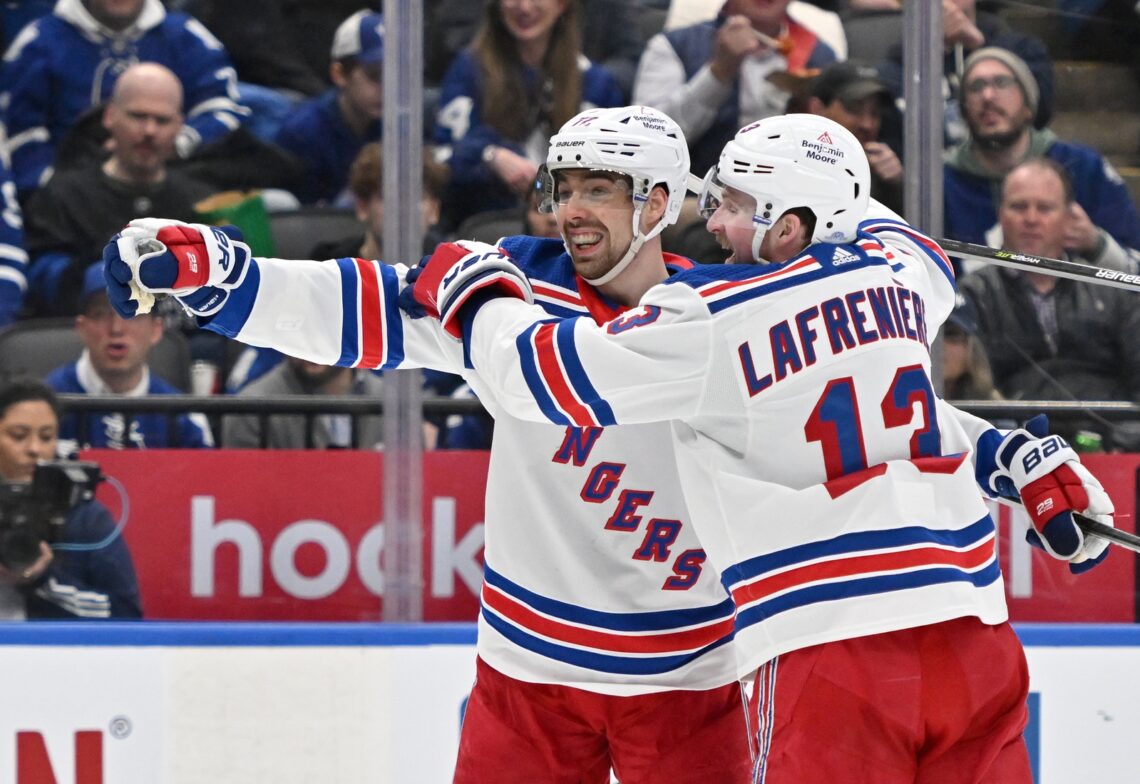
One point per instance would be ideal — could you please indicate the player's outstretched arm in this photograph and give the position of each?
(650, 364)
(336, 312)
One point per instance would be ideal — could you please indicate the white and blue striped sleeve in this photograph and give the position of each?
(649, 364)
(337, 312)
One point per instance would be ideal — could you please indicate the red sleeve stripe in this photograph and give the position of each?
(558, 294)
(371, 316)
(554, 376)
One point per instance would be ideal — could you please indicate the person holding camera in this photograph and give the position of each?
(61, 556)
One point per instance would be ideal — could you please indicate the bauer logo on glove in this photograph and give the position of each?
(457, 272)
(1053, 484)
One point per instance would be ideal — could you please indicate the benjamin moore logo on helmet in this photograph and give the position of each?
(651, 122)
(823, 150)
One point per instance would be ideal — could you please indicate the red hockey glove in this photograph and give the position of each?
(1053, 484)
(457, 272)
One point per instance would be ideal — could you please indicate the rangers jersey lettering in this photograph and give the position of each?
(828, 483)
(593, 574)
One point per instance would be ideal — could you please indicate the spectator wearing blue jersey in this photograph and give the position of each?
(999, 98)
(326, 133)
(114, 362)
(86, 572)
(521, 79)
(13, 254)
(65, 63)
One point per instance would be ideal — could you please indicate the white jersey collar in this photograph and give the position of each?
(93, 385)
(75, 13)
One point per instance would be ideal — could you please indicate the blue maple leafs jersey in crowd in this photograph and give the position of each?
(63, 64)
(113, 430)
(13, 257)
(593, 575)
(827, 482)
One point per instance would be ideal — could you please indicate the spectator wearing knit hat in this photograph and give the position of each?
(998, 101)
(966, 29)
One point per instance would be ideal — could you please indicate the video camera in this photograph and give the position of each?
(33, 512)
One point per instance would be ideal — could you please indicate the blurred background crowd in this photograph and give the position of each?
(268, 114)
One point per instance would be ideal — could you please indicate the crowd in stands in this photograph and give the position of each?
(119, 109)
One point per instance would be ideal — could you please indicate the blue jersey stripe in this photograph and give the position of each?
(350, 312)
(600, 662)
(864, 586)
(576, 375)
(524, 343)
(919, 239)
(780, 284)
(393, 324)
(857, 543)
(652, 621)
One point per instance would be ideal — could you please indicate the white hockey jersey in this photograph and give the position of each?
(593, 575)
(829, 485)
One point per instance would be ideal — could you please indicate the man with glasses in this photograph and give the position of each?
(999, 97)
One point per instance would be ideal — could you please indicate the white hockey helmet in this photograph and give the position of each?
(637, 141)
(795, 160)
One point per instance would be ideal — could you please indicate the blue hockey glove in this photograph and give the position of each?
(198, 264)
(459, 271)
(1052, 484)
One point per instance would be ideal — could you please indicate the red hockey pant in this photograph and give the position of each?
(516, 732)
(937, 704)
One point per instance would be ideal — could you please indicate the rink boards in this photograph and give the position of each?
(183, 703)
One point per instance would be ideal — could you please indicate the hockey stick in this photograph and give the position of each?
(1046, 266)
(1089, 527)
(1115, 535)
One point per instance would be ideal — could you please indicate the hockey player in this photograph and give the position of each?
(604, 638)
(829, 485)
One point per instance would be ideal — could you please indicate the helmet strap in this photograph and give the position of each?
(757, 241)
(634, 246)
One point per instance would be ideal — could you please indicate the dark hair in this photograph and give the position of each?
(504, 93)
(1048, 164)
(367, 170)
(26, 389)
(807, 218)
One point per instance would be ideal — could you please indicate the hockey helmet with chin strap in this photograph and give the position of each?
(637, 141)
(790, 161)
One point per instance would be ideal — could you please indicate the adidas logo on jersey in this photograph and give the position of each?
(843, 257)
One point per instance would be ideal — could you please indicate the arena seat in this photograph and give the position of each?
(296, 232)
